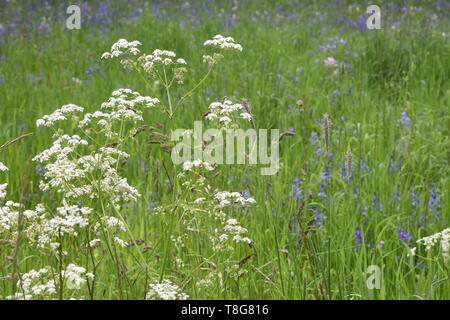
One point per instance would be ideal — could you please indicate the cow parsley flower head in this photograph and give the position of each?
(122, 47)
(163, 58)
(3, 167)
(165, 291)
(59, 114)
(330, 62)
(124, 104)
(227, 112)
(3, 188)
(188, 165)
(235, 231)
(442, 237)
(40, 284)
(221, 42)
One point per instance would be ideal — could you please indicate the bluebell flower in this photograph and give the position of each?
(364, 166)
(391, 164)
(40, 170)
(326, 177)
(318, 151)
(296, 193)
(403, 235)
(405, 120)
(434, 203)
(322, 193)
(364, 213)
(358, 239)
(415, 201)
(319, 217)
(21, 125)
(355, 192)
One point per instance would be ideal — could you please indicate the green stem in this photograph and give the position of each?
(167, 86)
(187, 95)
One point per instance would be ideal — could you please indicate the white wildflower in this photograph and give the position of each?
(59, 114)
(165, 291)
(442, 237)
(3, 167)
(223, 43)
(122, 47)
(330, 62)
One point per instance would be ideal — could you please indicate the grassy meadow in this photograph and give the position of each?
(364, 159)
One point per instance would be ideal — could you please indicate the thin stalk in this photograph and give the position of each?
(195, 88)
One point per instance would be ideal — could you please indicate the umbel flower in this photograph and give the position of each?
(223, 43)
(83, 176)
(165, 290)
(42, 285)
(227, 112)
(442, 237)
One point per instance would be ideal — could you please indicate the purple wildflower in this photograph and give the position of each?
(358, 239)
(405, 120)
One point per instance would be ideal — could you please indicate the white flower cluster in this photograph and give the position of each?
(35, 283)
(3, 167)
(95, 243)
(40, 284)
(227, 198)
(235, 231)
(158, 56)
(330, 62)
(3, 186)
(76, 276)
(225, 112)
(122, 47)
(149, 63)
(8, 218)
(112, 223)
(68, 174)
(61, 148)
(165, 291)
(188, 165)
(123, 105)
(442, 237)
(43, 228)
(59, 114)
(222, 42)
